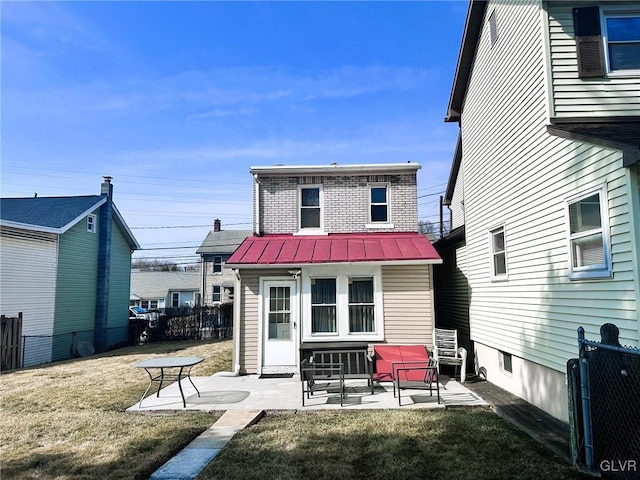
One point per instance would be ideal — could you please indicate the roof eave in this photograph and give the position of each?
(238, 266)
(334, 169)
(468, 47)
(33, 228)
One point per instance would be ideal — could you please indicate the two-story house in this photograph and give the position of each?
(65, 263)
(217, 284)
(335, 260)
(543, 191)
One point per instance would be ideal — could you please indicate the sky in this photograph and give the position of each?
(177, 100)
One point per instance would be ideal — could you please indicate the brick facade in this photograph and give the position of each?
(345, 202)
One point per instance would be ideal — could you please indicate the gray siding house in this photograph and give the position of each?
(543, 192)
(65, 263)
(218, 280)
(335, 260)
(159, 290)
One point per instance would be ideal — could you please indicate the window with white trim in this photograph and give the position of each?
(588, 232)
(498, 254)
(91, 223)
(323, 305)
(342, 303)
(379, 203)
(361, 305)
(310, 201)
(175, 299)
(217, 264)
(217, 294)
(621, 31)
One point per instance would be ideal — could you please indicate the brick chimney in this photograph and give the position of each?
(217, 225)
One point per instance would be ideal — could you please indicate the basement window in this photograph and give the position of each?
(507, 362)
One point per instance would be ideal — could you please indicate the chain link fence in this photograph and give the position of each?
(604, 386)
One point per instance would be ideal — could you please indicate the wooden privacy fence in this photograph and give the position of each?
(10, 342)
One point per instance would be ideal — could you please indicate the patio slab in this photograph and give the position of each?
(250, 392)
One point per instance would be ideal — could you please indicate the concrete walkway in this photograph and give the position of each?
(192, 459)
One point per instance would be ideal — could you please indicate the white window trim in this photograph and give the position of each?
(172, 295)
(310, 231)
(501, 277)
(591, 271)
(371, 223)
(615, 11)
(92, 223)
(213, 292)
(342, 275)
(213, 265)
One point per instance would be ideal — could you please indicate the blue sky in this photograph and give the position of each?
(176, 100)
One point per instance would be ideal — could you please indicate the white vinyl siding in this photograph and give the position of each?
(407, 292)
(28, 266)
(575, 97)
(457, 202)
(515, 172)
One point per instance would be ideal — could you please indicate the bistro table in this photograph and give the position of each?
(183, 364)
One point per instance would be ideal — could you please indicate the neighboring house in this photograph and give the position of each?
(217, 280)
(543, 191)
(65, 263)
(160, 290)
(335, 262)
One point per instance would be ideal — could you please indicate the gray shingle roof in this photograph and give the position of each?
(47, 212)
(224, 241)
(158, 284)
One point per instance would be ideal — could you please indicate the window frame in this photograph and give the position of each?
(498, 277)
(219, 293)
(613, 12)
(174, 296)
(342, 274)
(217, 262)
(370, 204)
(311, 230)
(350, 281)
(590, 272)
(335, 305)
(92, 223)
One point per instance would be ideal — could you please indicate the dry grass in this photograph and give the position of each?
(405, 444)
(67, 420)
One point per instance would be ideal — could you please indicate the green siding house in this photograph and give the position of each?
(66, 265)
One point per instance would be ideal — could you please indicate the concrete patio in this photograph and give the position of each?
(250, 392)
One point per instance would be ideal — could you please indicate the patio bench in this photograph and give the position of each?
(357, 363)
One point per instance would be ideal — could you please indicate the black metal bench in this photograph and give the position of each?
(356, 363)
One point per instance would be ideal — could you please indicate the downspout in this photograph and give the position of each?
(256, 213)
(237, 300)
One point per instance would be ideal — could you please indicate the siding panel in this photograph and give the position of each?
(573, 96)
(28, 285)
(408, 298)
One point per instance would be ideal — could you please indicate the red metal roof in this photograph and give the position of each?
(334, 248)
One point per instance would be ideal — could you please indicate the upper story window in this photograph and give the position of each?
(311, 207)
(91, 223)
(217, 264)
(498, 254)
(589, 247)
(379, 203)
(622, 40)
(607, 40)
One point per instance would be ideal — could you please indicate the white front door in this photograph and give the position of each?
(279, 326)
